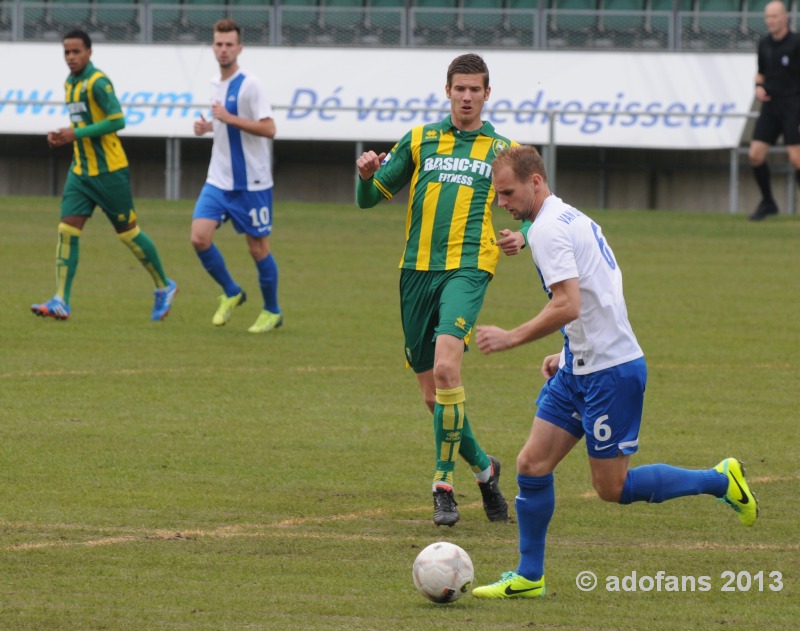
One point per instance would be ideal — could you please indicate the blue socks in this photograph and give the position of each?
(653, 483)
(268, 280)
(535, 504)
(656, 483)
(214, 264)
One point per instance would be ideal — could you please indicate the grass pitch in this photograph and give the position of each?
(181, 476)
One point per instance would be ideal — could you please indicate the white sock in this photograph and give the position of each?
(484, 475)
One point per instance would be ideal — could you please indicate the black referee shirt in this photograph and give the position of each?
(779, 64)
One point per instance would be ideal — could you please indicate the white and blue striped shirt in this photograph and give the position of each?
(239, 160)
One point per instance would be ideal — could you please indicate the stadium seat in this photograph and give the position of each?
(621, 23)
(714, 24)
(753, 27)
(341, 21)
(435, 23)
(385, 20)
(299, 20)
(572, 23)
(483, 20)
(199, 17)
(33, 16)
(6, 22)
(521, 23)
(118, 20)
(68, 14)
(256, 17)
(165, 19)
(662, 22)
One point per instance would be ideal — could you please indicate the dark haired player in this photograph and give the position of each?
(98, 177)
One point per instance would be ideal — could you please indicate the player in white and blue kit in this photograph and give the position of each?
(595, 385)
(239, 183)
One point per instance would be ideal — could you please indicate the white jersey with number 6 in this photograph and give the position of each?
(566, 244)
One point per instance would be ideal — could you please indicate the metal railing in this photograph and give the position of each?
(275, 24)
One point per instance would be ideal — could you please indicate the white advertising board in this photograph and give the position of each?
(613, 99)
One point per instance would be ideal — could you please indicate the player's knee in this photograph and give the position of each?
(608, 490)
(200, 242)
(530, 465)
(447, 374)
(756, 157)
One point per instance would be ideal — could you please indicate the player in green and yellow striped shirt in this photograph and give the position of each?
(98, 176)
(450, 256)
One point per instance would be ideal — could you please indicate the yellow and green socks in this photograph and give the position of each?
(67, 254)
(448, 421)
(145, 250)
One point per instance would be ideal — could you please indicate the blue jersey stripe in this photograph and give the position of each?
(238, 164)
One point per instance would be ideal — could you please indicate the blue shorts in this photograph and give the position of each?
(606, 406)
(249, 211)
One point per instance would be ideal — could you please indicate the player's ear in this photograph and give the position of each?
(488, 92)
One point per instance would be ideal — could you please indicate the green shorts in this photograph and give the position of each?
(110, 191)
(436, 303)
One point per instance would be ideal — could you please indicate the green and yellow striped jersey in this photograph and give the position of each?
(449, 220)
(90, 99)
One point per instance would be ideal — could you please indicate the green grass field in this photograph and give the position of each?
(180, 476)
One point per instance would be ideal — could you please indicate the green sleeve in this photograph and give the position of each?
(103, 93)
(398, 167)
(367, 195)
(524, 230)
(104, 127)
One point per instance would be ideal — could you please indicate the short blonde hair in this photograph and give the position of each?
(524, 161)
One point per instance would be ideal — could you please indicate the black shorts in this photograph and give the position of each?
(780, 116)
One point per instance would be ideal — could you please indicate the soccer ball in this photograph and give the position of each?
(443, 572)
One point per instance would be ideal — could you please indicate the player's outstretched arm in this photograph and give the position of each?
(563, 308)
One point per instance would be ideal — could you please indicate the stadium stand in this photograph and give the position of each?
(752, 23)
(33, 16)
(164, 20)
(67, 14)
(6, 21)
(621, 23)
(712, 25)
(522, 25)
(117, 21)
(434, 23)
(341, 22)
(199, 17)
(385, 22)
(572, 23)
(298, 22)
(661, 23)
(257, 19)
(483, 21)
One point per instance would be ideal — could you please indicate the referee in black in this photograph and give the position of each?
(778, 89)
